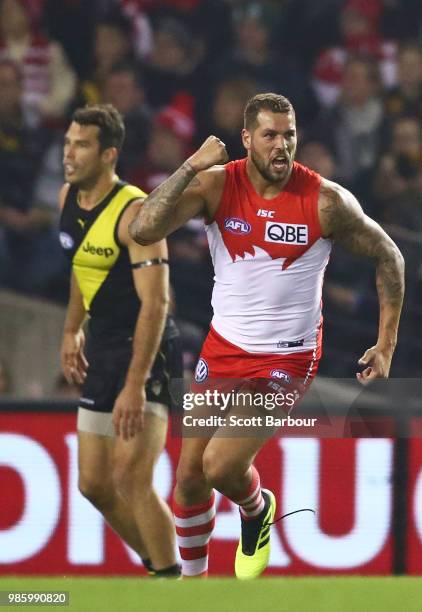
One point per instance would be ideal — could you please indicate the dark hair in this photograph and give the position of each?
(117, 21)
(266, 101)
(127, 67)
(107, 119)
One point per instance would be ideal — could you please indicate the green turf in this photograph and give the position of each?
(354, 594)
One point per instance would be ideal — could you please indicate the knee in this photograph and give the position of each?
(218, 471)
(97, 491)
(190, 479)
(131, 479)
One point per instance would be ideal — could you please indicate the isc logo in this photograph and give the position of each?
(286, 233)
(237, 226)
(265, 213)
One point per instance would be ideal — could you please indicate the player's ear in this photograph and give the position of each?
(109, 155)
(246, 139)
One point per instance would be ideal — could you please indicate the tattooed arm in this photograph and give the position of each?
(343, 220)
(182, 196)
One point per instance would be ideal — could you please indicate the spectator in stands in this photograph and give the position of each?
(169, 144)
(61, 20)
(225, 117)
(352, 128)
(398, 182)
(122, 88)
(360, 35)
(112, 46)
(49, 83)
(171, 67)
(315, 155)
(406, 97)
(27, 244)
(254, 57)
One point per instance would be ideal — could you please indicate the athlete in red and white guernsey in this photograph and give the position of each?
(270, 224)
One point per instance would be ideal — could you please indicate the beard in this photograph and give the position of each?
(265, 170)
(83, 182)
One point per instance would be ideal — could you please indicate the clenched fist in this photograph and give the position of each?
(210, 153)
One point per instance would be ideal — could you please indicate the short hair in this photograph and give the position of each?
(108, 120)
(266, 101)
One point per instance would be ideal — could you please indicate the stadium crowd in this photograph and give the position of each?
(180, 70)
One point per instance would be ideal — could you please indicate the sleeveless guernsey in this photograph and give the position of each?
(101, 263)
(269, 260)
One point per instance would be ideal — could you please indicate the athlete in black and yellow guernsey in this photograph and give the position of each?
(132, 348)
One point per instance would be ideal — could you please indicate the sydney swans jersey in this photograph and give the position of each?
(269, 260)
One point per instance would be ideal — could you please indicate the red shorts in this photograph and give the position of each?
(220, 359)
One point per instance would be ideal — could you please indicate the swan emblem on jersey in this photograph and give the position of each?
(237, 226)
(201, 371)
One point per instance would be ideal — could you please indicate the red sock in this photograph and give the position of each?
(251, 501)
(194, 525)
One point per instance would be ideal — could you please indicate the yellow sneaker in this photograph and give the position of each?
(253, 551)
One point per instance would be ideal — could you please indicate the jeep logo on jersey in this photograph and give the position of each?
(237, 226)
(90, 248)
(280, 375)
(201, 371)
(286, 233)
(65, 240)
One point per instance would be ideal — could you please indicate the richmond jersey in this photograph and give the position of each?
(269, 260)
(101, 263)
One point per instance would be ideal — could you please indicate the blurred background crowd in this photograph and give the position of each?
(180, 70)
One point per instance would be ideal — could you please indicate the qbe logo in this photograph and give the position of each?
(237, 226)
(286, 233)
(201, 371)
(280, 375)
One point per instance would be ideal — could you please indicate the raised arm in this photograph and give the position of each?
(343, 220)
(182, 196)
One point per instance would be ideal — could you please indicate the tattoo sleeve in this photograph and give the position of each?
(344, 221)
(155, 215)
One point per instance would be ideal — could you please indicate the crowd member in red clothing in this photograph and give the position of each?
(360, 35)
(48, 81)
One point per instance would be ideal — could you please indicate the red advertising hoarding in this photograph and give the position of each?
(47, 527)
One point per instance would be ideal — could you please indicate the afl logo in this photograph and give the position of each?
(66, 241)
(201, 371)
(280, 375)
(237, 226)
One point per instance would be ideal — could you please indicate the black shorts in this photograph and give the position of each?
(108, 366)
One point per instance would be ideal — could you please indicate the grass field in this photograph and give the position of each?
(227, 595)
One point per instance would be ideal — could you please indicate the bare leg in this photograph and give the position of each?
(133, 467)
(95, 483)
(227, 463)
(191, 485)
